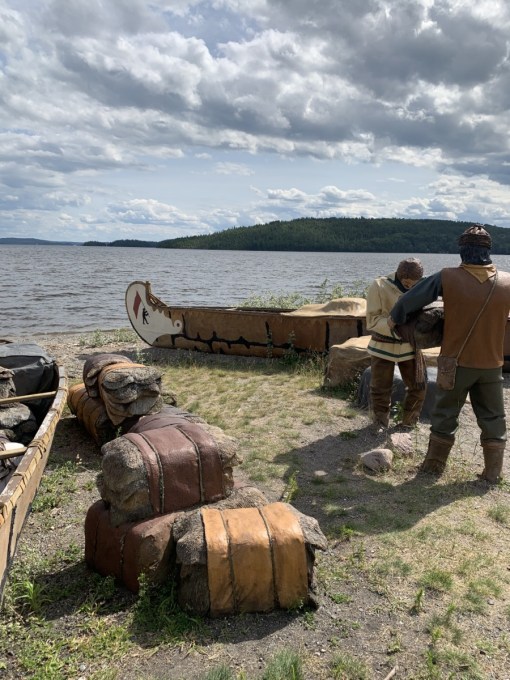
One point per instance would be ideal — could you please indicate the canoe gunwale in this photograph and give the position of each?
(25, 479)
(157, 304)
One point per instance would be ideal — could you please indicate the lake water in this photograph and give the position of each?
(55, 289)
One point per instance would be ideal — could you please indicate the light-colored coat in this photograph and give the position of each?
(381, 297)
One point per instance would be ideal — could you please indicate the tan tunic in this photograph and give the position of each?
(381, 296)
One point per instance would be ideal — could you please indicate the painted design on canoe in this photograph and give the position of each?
(17, 496)
(243, 331)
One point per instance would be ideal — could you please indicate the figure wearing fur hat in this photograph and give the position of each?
(386, 348)
(476, 300)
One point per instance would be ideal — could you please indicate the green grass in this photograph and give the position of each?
(431, 554)
(99, 338)
(220, 673)
(56, 487)
(157, 611)
(284, 665)
(346, 667)
(437, 580)
(500, 513)
(292, 300)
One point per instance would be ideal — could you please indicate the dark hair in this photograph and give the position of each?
(411, 268)
(471, 254)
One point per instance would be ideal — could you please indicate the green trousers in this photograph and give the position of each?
(485, 389)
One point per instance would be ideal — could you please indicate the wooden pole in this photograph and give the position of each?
(27, 397)
(12, 453)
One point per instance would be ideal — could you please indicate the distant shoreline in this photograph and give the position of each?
(314, 235)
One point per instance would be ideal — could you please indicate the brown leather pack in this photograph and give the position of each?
(127, 551)
(183, 466)
(169, 416)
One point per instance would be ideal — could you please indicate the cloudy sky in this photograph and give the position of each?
(161, 118)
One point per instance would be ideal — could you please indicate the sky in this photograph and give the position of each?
(156, 119)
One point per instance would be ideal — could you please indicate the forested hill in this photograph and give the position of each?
(343, 234)
(15, 241)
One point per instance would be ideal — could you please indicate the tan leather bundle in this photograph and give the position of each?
(256, 559)
(91, 413)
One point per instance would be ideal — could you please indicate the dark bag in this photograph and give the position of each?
(446, 371)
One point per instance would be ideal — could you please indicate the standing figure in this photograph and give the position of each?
(476, 300)
(386, 348)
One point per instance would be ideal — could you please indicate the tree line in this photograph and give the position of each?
(336, 234)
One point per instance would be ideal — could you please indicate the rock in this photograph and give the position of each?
(18, 419)
(346, 361)
(378, 460)
(401, 443)
(7, 388)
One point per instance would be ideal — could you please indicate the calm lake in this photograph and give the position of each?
(55, 289)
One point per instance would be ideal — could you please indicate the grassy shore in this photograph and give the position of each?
(416, 577)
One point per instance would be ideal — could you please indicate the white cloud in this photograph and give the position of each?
(136, 97)
(232, 169)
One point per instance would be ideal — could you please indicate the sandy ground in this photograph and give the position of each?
(362, 625)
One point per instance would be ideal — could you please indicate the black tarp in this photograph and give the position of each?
(34, 371)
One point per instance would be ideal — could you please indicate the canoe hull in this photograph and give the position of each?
(245, 332)
(16, 498)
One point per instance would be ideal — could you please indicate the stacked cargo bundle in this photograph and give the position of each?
(170, 509)
(247, 559)
(91, 413)
(176, 465)
(127, 389)
(114, 394)
(17, 426)
(130, 549)
(93, 367)
(7, 388)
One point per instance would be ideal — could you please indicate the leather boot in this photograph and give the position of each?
(412, 411)
(437, 453)
(493, 453)
(381, 419)
(410, 419)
